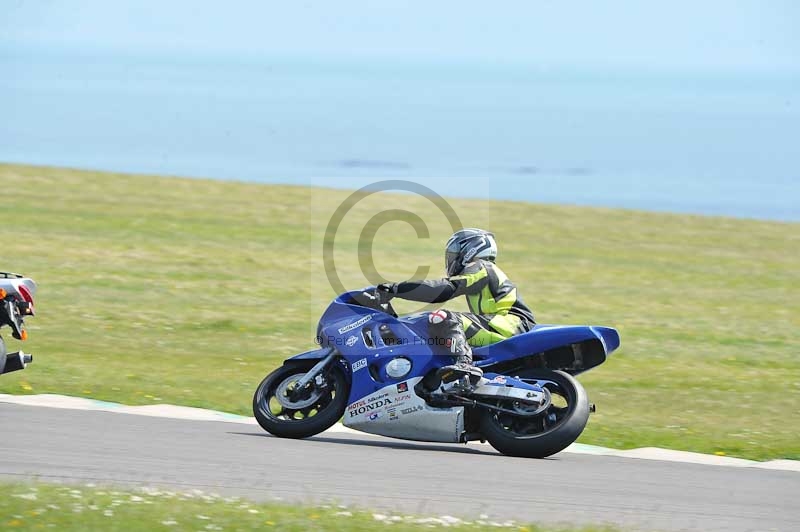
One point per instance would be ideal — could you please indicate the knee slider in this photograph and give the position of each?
(437, 317)
(443, 321)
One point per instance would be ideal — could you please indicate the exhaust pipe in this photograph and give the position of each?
(17, 361)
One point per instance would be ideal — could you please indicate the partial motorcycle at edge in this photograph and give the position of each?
(16, 304)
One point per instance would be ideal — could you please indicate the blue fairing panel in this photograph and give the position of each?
(316, 354)
(609, 337)
(600, 341)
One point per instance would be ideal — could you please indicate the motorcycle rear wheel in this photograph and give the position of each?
(546, 433)
(288, 415)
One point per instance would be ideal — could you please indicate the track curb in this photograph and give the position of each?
(201, 414)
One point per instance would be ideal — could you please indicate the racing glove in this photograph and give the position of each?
(385, 292)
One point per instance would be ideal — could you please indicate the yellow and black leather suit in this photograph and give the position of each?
(496, 312)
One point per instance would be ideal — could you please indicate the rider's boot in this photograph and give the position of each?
(463, 366)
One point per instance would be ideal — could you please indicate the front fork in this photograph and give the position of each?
(315, 372)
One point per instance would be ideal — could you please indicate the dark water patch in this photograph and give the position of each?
(533, 170)
(372, 164)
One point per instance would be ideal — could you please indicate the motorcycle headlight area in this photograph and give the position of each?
(399, 367)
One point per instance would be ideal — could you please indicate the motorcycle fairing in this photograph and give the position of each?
(368, 339)
(574, 348)
(396, 411)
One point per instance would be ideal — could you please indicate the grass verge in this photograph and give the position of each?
(189, 291)
(81, 508)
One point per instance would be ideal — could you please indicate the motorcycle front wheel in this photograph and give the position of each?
(288, 412)
(548, 432)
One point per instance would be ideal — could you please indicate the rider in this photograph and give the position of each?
(497, 312)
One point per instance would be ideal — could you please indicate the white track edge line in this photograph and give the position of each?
(201, 414)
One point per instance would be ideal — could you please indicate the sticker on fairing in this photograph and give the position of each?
(355, 324)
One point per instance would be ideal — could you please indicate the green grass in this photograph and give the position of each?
(82, 508)
(190, 291)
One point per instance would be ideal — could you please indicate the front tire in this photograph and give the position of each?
(285, 412)
(548, 432)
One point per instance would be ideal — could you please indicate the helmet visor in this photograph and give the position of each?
(452, 264)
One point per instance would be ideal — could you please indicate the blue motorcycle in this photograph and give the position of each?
(378, 372)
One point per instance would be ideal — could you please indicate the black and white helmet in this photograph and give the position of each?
(466, 246)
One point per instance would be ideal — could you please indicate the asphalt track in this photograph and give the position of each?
(104, 448)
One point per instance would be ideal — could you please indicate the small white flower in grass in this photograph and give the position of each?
(108, 513)
(169, 522)
(93, 507)
(344, 514)
(203, 517)
(54, 506)
(136, 498)
(253, 511)
(379, 517)
(27, 496)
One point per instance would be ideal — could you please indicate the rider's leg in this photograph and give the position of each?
(478, 332)
(508, 325)
(485, 330)
(451, 326)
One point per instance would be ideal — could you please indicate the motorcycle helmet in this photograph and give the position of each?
(467, 245)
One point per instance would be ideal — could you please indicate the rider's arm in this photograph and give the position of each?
(471, 281)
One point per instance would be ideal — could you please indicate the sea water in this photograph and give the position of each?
(717, 143)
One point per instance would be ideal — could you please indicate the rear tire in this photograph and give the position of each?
(314, 412)
(2, 355)
(546, 433)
